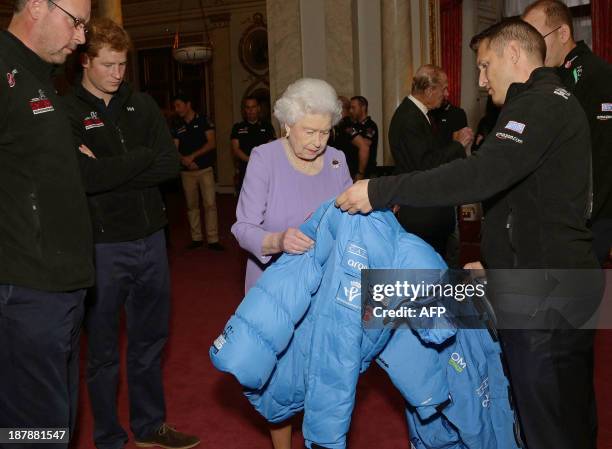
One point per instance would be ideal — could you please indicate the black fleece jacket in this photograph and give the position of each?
(125, 203)
(534, 169)
(589, 78)
(45, 234)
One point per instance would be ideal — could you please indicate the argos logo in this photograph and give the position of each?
(356, 264)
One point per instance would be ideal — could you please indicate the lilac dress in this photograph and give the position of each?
(275, 196)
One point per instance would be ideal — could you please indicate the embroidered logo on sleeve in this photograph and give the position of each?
(505, 136)
(10, 77)
(41, 104)
(562, 93)
(517, 127)
(92, 121)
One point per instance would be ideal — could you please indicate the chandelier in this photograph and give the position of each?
(192, 53)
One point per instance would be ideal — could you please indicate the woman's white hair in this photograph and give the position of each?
(307, 96)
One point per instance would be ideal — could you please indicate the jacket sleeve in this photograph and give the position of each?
(251, 209)
(166, 164)
(594, 92)
(104, 174)
(505, 158)
(264, 323)
(423, 385)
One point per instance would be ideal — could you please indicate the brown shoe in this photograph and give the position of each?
(168, 438)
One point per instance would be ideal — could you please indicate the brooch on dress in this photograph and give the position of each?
(335, 163)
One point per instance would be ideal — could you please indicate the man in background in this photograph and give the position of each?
(589, 78)
(194, 136)
(341, 137)
(415, 146)
(364, 137)
(248, 134)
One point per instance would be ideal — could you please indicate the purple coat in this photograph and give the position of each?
(275, 196)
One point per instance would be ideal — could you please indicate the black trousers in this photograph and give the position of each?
(39, 359)
(551, 373)
(131, 275)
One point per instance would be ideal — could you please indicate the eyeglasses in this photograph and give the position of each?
(551, 32)
(79, 24)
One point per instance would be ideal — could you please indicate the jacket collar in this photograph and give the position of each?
(121, 96)
(540, 75)
(580, 49)
(40, 68)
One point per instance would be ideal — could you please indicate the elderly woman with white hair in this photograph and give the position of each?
(286, 180)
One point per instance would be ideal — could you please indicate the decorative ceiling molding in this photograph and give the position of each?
(159, 12)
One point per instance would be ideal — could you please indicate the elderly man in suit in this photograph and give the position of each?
(415, 146)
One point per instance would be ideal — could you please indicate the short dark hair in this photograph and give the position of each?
(514, 29)
(361, 100)
(426, 76)
(182, 96)
(19, 5)
(557, 13)
(250, 97)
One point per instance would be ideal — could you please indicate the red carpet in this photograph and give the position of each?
(206, 288)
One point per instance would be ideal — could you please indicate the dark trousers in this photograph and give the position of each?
(131, 275)
(39, 359)
(551, 373)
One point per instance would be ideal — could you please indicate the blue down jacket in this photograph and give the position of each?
(313, 301)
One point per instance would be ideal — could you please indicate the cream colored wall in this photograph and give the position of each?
(284, 44)
(242, 80)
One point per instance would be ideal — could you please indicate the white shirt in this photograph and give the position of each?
(421, 106)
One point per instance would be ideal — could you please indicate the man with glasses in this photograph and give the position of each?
(589, 78)
(45, 236)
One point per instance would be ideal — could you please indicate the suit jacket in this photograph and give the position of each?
(415, 147)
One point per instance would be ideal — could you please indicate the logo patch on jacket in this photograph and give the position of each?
(606, 107)
(222, 339)
(483, 393)
(92, 121)
(517, 127)
(457, 362)
(505, 136)
(41, 104)
(562, 93)
(10, 77)
(354, 260)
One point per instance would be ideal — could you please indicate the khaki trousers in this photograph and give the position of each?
(204, 180)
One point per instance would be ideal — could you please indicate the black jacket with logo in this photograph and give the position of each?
(589, 78)
(132, 124)
(45, 234)
(534, 169)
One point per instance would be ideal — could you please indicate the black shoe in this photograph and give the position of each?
(168, 438)
(195, 244)
(215, 246)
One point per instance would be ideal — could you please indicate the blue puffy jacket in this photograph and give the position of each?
(313, 301)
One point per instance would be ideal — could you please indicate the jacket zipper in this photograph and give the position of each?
(141, 196)
(509, 224)
(36, 217)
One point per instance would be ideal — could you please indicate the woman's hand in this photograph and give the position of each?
(294, 241)
(291, 241)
